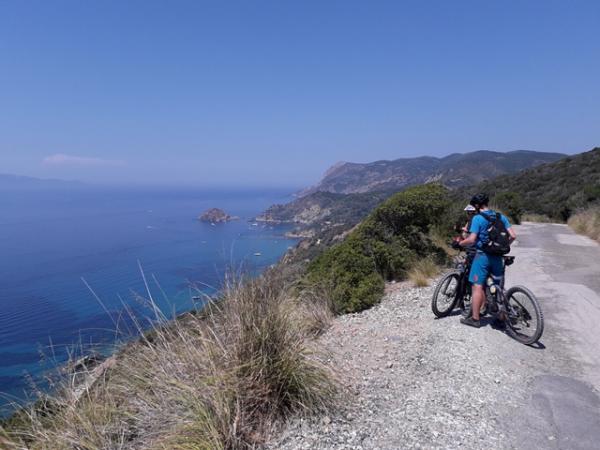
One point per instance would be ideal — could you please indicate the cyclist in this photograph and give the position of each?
(462, 228)
(471, 211)
(483, 263)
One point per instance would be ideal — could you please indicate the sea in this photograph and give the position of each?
(78, 268)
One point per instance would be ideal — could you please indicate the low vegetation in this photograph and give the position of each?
(510, 204)
(587, 222)
(215, 380)
(383, 247)
(423, 271)
(539, 218)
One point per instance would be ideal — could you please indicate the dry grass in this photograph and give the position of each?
(422, 271)
(539, 218)
(218, 380)
(587, 222)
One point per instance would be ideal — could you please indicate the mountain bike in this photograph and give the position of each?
(517, 308)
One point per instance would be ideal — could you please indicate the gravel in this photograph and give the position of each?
(412, 381)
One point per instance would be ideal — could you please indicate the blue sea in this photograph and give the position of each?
(51, 241)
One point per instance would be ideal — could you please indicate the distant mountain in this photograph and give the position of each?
(325, 213)
(458, 169)
(8, 181)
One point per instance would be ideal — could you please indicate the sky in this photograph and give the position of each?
(271, 93)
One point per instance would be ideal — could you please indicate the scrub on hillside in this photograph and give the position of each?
(484, 264)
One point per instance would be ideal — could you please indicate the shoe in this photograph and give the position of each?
(470, 322)
(466, 313)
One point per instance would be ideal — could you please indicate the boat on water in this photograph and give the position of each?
(258, 254)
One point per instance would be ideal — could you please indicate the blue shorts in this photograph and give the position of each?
(484, 265)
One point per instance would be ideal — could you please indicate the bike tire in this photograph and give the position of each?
(444, 283)
(512, 328)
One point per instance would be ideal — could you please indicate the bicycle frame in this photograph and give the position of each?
(495, 291)
(464, 287)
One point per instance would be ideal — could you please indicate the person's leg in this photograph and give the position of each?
(477, 277)
(477, 300)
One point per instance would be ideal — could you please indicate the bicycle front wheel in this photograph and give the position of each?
(445, 295)
(525, 321)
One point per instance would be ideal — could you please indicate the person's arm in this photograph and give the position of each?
(511, 232)
(469, 240)
(474, 229)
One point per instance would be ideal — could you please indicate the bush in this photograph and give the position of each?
(512, 205)
(384, 247)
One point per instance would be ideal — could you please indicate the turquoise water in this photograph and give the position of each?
(49, 241)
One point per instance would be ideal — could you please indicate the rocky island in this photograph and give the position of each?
(216, 215)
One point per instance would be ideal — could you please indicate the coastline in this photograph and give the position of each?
(174, 250)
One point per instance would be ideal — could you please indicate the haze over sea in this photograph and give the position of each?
(49, 240)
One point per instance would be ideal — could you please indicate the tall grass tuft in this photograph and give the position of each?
(216, 380)
(587, 222)
(422, 271)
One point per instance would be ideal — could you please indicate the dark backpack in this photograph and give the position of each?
(498, 242)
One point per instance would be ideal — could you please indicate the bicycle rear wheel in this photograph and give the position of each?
(525, 321)
(445, 295)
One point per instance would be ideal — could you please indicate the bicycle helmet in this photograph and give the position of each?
(470, 208)
(479, 200)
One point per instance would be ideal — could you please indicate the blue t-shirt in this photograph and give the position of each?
(480, 225)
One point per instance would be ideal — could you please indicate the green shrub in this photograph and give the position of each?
(512, 204)
(349, 275)
(592, 192)
(383, 247)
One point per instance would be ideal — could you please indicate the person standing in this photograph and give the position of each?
(484, 263)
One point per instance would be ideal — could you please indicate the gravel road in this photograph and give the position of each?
(413, 381)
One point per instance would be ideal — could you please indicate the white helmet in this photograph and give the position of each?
(470, 208)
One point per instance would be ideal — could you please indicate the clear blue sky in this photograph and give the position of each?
(256, 92)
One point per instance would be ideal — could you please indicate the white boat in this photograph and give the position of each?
(258, 254)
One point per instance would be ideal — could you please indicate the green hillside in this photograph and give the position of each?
(556, 190)
(383, 247)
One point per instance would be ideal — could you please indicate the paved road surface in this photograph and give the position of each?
(563, 270)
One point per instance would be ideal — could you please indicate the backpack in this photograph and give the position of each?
(498, 242)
